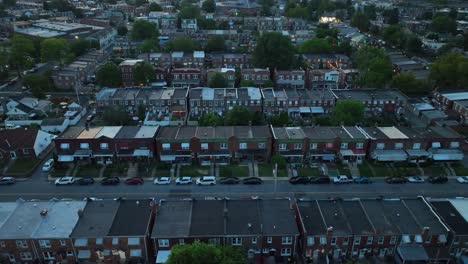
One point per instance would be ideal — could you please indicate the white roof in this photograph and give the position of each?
(146, 132)
(456, 96)
(5, 210)
(392, 132)
(199, 54)
(208, 93)
(167, 94)
(254, 93)
(108, 131)
(423, 106)
(130, 62)
(462, 206)
(177, 54)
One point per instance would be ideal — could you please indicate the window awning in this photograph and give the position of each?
(293, 110)
(406, 239)
(86, 153)
(142, 153)
(442, 239)
(328, 156)
(418, 239)
(446, 154)
(84, 254)
(305, 110)
(389, 155)
(168, 157)
(418, 153)
(352, 152)
(436, 144)
(125, 153)
(317, 110)
(103, 153)
(65, 158)
(162, 256)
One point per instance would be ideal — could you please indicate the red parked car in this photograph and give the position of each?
(134, 181)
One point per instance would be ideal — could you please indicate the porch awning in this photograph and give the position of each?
(177, 153)
(352, 152)
(325, 156)
(293, 110)
(65, 158)
(317, 110)
(418, 153)
(125, 153)
(305, 110)
(162, 256)
(328, 157)
(142, 153)
(86, 153)
(389, 155)
(215, 153)
(446, 154)
(167, 157)
(292, 153)
(107, 153)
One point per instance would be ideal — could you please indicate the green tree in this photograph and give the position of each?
(141, 110)
(54, 49)
(143, 73)
(347, 112)
(143, 29)
(207, 24)
(189, 12)
(408, 84)
(280, 120)
(361, 21)
(203, 253)
(237, 116)
(391, 16)
(395, 35)
(316, 45)
(298, 12)
(247, 83)
(450, 70)
(273, 51)
(370, 11)
(210, 119)
(443, 24)
(155, 7)
(21, 53)
(149, 45)
(266, 5)
(116, 116)
(81, 46)
(215, 43)
(122, 30)
(258, 119)
(280, 160)
(217, 81)
(209, 6)
(108, 75)
(37, 83)
(374, 65)
(413, 44)
(182, 44)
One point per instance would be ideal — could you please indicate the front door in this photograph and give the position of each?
(12, 154)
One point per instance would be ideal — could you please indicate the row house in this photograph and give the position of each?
(185, 77)
(205, 100)
(114, 231)
(290, 79)
(189, 24)
(219, 145)
(413, 144)
(461, 108)
(23, 143)
(105, 144)
(126, 71)
(264, 229)
(446, 99)
(357, 228)
(323, 79)
(272, 24)
(38, 231)
(309, 144)
(376, 101)
(256, 75)
(230, 60)
(168, 24)
(327, 61)
(229, 75)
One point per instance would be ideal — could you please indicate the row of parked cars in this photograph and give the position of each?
(343, 179)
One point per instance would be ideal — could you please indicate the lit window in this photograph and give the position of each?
(163, 242)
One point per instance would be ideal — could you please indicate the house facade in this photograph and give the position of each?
(23, 143)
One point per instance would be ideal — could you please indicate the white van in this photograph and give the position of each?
(206, 180)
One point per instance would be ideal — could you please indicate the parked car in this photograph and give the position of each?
(320, 180)
(342, 179)
(110, 181)
(415, 179)
(229, 180)
(395, 180)
(7, 180)
(86, 181)
(299, 180)
(65, 180)
(184, 180)
(252, 180)
(134, 181)
(463, 179)
(362, 180)
(48, 165)
(162, 180)
(437, 179)
(206, 180)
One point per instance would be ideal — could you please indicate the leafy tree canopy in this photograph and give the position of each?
(217, 81)
(143, 73)
(143, 29)
(209, 6)
(182, 44)
(347, 112)
(54, 49)
(316, 45)
(203, 253)
(451, 70)
(374, 65)
(273, 51)
(361, 21)
(108, 75)
(443, 24)
(408, 84)
(116, 116)
(215, 43)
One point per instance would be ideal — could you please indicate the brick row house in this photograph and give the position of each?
(376, 101)
(105, 144)
(264, 229)
(358, 228)
(206, 145)
(23, 143)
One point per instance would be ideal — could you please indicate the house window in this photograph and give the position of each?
(329, 145)
(285, 251)
(380, 145)
(333, 241)
(163, 242)
(115, 241)
(242, 145)
(204, 146)
(26, 151)
(393, 240)
(344, 146)
(416, 145)
(64, 146)
(261, 145)
(357, 240)
(104, 145)
(359, 145)
(346, 241)
(398, 145)
(454, 144)
(269, 240)
(323, 240)
(370, 240)
(48, 255)
(166, 146)
(63, 243)
(282, 146)
(222, 145)
(310, 241)
(185, 146)
(98, 241)
(21, 244)
(286, 240)
(2, 243)
(135, 253)
(81, 242)
(181, 241)
(69, 253)
(298, 146)
(254, 240)
(381, 240)
(84, 145)
(44, 243)
(313, 146)
(25, 255)
(236, 241)
(133, 241)
(436, 144)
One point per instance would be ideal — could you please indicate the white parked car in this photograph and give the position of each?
(415, 179)
(342, 179)
(184, 180)
(206, 180)
(162, 180)
(463, 179)
(48, 165)
(65, 180)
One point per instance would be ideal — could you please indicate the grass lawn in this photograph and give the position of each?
(460, 170)
(60, 170)
(381, 170)
(343, 169)
(145, 169)
(282, 173)
(23, 166)
(194, 171)
(365, 170)
(265, 170)
(88, 170)
(308, 172)
(234, 171)
(406, 171)
(434, 171)
(116, 170)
